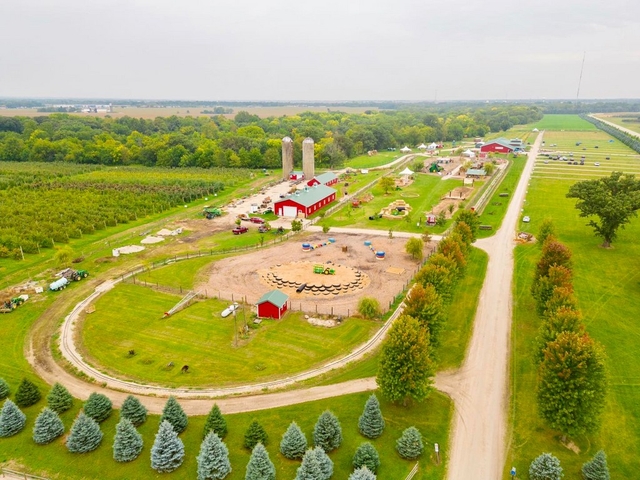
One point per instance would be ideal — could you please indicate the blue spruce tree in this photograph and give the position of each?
(371, 422)
(12, 419)
(127, 443)
(167, 453)
(133, 410)
(85, 435)
(48, 427)
(260, 466)
(327, 432)
(294, 443)
(213, 460)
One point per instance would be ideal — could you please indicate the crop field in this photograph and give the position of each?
(605, 283)
(197, 336)
(563, 122)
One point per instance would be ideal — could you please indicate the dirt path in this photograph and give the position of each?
(480, 388)
(633, 133)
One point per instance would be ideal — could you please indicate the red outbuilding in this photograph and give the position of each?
(305, 202)
(500, 145)
(296, 175)
(272, 304)
(328, 179)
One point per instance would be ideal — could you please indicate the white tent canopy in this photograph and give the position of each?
(405, 149)
(422, 146)
(468, 153)
(432, 146)
(406, 171)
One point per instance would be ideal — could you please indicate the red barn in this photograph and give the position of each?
(328, 179)
(296, 175)
(500, 145)
(272, 304)
(305, 202)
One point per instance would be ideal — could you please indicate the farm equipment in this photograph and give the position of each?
(73, 275)
(323, 270)
(59, 284)
(211, 212)
(435, 168)
(10, 305)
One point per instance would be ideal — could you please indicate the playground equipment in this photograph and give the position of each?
(435, 168)
(323, 270)
(183, 303)
(10, 305)
(306, 247)
(211, 212)
(378, 253)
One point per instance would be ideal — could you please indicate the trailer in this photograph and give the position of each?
(59, 284)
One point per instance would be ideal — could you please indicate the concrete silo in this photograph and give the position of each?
(308, 166)
(287, 157)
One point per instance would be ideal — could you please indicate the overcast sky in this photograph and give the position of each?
(319, 50)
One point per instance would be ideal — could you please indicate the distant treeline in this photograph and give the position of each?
(629, 140)
(244, 141)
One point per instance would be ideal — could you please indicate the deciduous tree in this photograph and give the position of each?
(547, 229)
(471, 219)
(426, 305)
(414, 247)
(387, 183)
(542, 290)
(565, 319)
(369, 307)
(554, 253)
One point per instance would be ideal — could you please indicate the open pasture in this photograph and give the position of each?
(557, 122)
(630, 121)
(366, 161)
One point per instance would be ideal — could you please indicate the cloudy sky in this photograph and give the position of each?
(319, 50)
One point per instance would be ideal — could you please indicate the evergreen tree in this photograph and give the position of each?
(596, 468)
(545, 467)
(310, 468)
(215, 423)
(260, 466)
(127, 443)
(405, 369)
(174, 414)
(85, 435)
(27, 394)
(4, 389)
(409, 445)
(133, 410)
(48, 427)
(371, 423)
(572, 384)
(167, 453)
(326, 465)
(327, 433)
(294, 443)
(12, 419)
(255, 434)
(59, 399)
(98, 407)
(366, 455)
(363, 473)
(213, 460)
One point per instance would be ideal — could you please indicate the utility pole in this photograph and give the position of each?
(580, 81)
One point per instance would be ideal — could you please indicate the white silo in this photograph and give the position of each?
(308, 167)
(287, 157)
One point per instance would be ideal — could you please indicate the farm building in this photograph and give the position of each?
(476, 172)
(296, 175)
(305, 202)
(499, 145)
(328, 179)
(272, 304)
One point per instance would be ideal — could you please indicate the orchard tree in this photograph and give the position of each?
(213, 459)
(167, 453)
(27, 394)
(362, 473)
(47, 427)
(127, 443)
(85, 435)
(414, 247)
(294, 443)
(406, 369)
(366, 455)
(565, 319)
(173, 413)
(98, 407)
(255, 434)
(12, 420)
(371, 423)
(59, 399)
(4, 389)
(215, 422)
(547, 230)
(133, 410)
(545, 467)
(426, 305)
(260, 466)
(327, 433)
(410, 445)
(614, 200)
(596, 468)
(572, 384)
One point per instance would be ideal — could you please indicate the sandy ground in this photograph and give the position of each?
(242, 275)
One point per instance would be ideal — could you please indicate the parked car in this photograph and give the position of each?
(263, 229)
(597, 164)
(257, 220)
(526, 219)
(229, 310)
(240, 230)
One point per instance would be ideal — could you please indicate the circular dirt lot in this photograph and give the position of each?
(244, 275)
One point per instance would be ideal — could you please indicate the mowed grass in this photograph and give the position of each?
(131, 317)
(365, 161)
(607, 286)
(432, 418)
(182, 274)
(563, 122)
(624, 121)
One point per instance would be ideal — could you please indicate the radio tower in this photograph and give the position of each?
(580, 81)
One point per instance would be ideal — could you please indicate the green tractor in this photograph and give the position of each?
(211, 212)
(435, 168)
(77, 275)
(321, 269)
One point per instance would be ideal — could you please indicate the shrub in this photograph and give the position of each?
(596, 468)
(133, 410)
(213, 459)
(260, 466)
(369, 307)
(327, 433)
(127, 443)
(367, 456)
(371, 423)
(98, 407)
(255, 434)
(174, 414)
(167, 453)
(545, 467)
(48, 427)
(294, 443)
(27, 394)
(4, 389)
(85, 435)
(363, 473)
(409, 445)
(59, 399)
(215, 423)
(12, 419)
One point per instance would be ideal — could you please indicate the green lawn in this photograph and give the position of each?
(563, 122)
(431, 417)
(182, 274)
(607, 285)
(623, 121)
(365, 161)
(197, 336)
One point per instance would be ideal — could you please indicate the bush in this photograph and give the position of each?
(48, 427)
(167, 453)
(4, 389)
(98, 407)
(369, 307)
(327, 433)
(215, 423)
(545, 467)
(255, 434)
(371, 423)
(27, 394)
(12, 419)
(294, 443)
(596, 468)
(213, 459)
(85, 435)
(133, 410)
(366, 456)
(174, 414)
(409, 445)
(127, 443)
(260, 466)
(363, 473)
(59, 399)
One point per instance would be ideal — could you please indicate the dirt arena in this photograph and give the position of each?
(245, 275)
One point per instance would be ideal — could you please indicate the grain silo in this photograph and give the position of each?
(308, 166)
(287, 157)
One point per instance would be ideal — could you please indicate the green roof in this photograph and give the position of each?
(275, 297)
(501, 141)
(310, 195)
(476, 171)
(326, 177)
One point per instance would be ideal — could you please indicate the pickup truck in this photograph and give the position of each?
(256, 220)
(239, 230)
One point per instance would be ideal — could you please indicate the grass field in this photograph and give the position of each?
(563, 122)
(365, 161)
(431, 417)
(606, 284)
(623, 121)
(197, 336)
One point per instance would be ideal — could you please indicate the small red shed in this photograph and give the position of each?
(296, 175)
(272, 304)
(328, 179)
